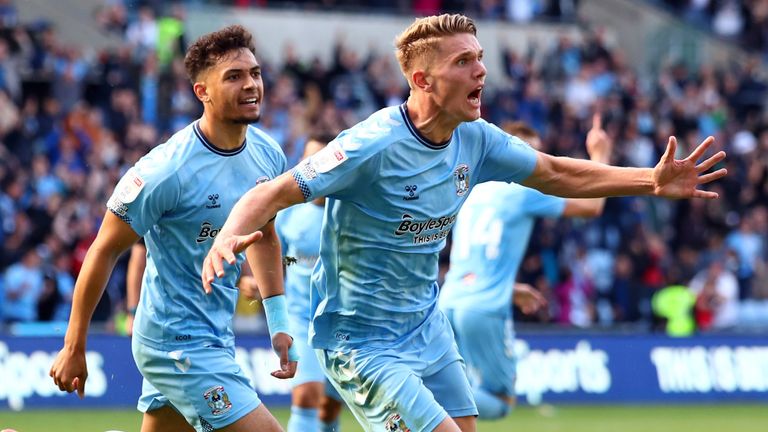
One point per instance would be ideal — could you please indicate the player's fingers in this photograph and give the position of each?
(705, 194)
(80, 385)
(207, 274)
(228, 254)
(699, 151)
(288, 372)
(706, 178)
(216, 262)
(709, 163)
(669, 153)
(253, 238)
(597, 121)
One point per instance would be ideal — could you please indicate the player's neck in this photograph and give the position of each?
(431, 121)
(224, 136)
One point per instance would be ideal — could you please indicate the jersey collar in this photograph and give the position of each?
(416, 134)
(209, 145)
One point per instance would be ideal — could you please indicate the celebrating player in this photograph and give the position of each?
(395, 183)
(177, 197)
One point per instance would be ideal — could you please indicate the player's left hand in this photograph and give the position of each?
(679, 178)
(281, 342)
(528, 298)
(224, 249)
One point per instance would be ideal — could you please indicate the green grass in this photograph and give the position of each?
(698, 418)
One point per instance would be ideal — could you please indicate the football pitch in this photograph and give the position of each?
(592, 418)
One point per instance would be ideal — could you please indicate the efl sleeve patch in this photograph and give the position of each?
(129, 187)
(328, 158)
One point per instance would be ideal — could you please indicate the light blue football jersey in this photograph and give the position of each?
(299, 230)
(393, 197)
(489, 242)
(178, 197)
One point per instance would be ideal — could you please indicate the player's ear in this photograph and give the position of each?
(201, 91)
(422, 80)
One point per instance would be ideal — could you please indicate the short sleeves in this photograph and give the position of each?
(507, 158)
(345, 163)
(543, 205)
(144, 194)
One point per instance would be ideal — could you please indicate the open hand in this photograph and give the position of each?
(679, 178)
(224, 248)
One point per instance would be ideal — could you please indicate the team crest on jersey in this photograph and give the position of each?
(461, 179)
(218, 400)
(395, 423)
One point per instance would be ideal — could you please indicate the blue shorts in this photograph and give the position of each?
(402, 388)
(308, 368)
(204, 384)
(486, 342)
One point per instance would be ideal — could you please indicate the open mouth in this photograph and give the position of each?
(474, 96)
(249, 101)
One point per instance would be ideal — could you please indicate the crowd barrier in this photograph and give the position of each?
(552, 368)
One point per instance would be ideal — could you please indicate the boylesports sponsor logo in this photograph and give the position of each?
(207, 232)
(416, 228)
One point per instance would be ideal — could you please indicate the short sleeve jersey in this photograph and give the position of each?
(393, 197)
(489, 243)
(178, 197)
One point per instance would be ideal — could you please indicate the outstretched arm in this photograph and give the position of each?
(671, 178)
(252, 211)
(69, 370)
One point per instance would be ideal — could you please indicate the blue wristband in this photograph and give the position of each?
(277, 320)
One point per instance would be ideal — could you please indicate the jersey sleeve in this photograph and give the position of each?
(543, 205)
(507, 158)
(144, 194)
(281, 221)
(345, 162)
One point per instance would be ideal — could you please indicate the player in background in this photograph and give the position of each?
(489, 242)
(394, 184)
(315, 406)
(177, 197)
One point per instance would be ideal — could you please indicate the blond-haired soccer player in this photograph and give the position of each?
(177, 197)
(395, 183)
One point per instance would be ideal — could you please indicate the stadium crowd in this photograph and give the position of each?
(742, 21)
(71, 124)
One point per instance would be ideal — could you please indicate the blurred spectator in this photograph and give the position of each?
(717, 297)
(72, 121)
(748, 247)
(673, 304)
(23, 286)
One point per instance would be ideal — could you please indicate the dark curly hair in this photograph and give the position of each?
(210, 48)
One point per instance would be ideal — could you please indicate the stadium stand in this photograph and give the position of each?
(79, 104)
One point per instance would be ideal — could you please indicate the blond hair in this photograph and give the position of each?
(420, 38)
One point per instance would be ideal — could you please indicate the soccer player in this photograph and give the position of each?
(299, 230)
(489, 242)
(177, 197)
(394, 184)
